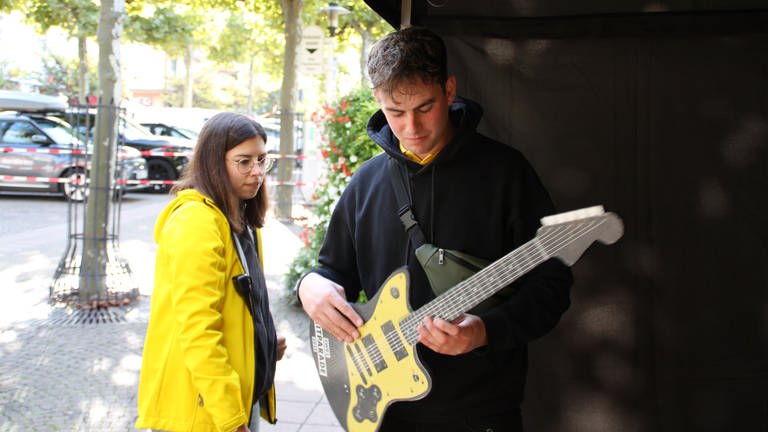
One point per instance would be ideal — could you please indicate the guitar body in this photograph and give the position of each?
(363, 378)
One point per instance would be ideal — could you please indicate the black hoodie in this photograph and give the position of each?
(477, 196)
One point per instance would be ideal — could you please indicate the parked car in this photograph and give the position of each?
(38, 145)
(166, 130)
(165, 157)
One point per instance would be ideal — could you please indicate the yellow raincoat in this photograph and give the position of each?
(198, 365)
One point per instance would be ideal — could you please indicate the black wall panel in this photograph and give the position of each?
(661, 117)
(668, 329)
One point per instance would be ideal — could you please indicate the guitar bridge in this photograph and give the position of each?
(367, 400)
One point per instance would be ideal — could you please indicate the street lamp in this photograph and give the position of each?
(334, 10)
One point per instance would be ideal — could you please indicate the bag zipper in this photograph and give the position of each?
(442, 254)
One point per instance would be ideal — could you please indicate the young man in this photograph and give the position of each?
(469, 193)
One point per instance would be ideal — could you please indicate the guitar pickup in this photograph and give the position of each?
(394, 341)
(374, 354)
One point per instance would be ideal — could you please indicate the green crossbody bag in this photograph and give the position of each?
(444, 267)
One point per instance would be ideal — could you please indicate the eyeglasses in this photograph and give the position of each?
(245, 166)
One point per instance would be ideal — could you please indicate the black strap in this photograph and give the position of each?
(257, 300)
(404, 210)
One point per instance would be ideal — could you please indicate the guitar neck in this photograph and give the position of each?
(565, 240)
(477, 288)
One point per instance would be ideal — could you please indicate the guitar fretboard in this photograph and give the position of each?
(483, 284)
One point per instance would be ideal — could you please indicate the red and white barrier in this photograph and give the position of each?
(292, 156)
(289, 183)
(33, 179)
(144, 153)
(43, 151)
(165, 153)
(37, 179)
(83, 152)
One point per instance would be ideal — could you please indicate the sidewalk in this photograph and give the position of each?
(59, 372)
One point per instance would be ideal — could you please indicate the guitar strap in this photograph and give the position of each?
(404, 210)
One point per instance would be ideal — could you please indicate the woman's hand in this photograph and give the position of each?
(281, 345)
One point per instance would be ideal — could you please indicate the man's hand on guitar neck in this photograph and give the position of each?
(325, 303)
(465, 334)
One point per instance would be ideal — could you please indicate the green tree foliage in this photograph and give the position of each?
(361, 21)
(176, 29)
(60, 75)
(251, 34)
(169, 27)
(7, 5)
(371, 27)
(345, 146)
(79, 18)
(8, 76)
(251, 39)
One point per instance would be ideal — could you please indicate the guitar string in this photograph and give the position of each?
(457, 295)
(480, 285)
(506, 269)
(522, 264)
(521, 254)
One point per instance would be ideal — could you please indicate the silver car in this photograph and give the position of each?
(39, 153)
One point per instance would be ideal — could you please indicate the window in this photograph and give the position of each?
(20, 133)
(60, 133)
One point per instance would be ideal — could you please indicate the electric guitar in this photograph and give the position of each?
(361, 379)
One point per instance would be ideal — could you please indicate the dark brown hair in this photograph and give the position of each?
(413, 52)
(207, 172)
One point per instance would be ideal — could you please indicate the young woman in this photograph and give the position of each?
(211, 347)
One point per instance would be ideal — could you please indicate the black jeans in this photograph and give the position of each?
(508, 422)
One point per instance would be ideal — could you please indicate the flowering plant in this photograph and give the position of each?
(345, 145)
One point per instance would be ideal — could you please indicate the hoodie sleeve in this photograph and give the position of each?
(540, 297)
(337, 259)
(198, 269)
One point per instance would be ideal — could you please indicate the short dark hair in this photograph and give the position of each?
(412, 52)
(207, 172)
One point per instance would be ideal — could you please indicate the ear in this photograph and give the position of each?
(450, 88)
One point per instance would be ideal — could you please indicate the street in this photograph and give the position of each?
(33, 233)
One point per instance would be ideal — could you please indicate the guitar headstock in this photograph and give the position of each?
(567, 235)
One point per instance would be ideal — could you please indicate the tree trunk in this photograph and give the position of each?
(249, 107)
(365, 36)
(188, 81)
(82, 72)
(95, 234)
(364, 78)
(288, 101)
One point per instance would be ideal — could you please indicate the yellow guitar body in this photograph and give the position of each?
(381, 367)
(402, 379)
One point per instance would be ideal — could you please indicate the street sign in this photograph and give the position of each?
(311, 52)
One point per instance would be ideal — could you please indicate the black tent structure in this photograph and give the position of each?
(657, 110)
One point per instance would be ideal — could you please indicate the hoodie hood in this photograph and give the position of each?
(184, 197)
(465, 115)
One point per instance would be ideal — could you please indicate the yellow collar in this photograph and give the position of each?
(421, 161)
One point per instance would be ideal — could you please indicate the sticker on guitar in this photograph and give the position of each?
(362, 378)
(320, 346)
